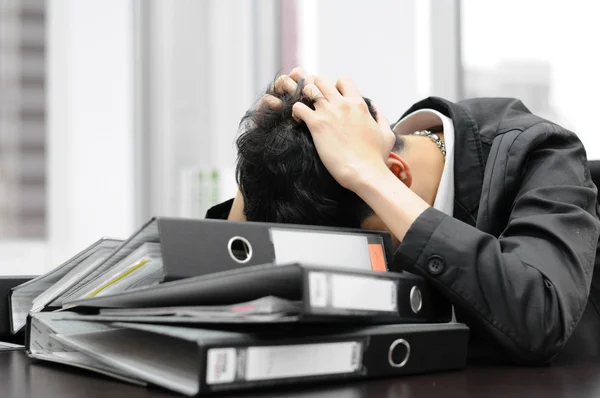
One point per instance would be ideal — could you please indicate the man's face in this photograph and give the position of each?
(374, 223)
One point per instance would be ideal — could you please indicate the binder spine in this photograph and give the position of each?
(27, 339)
(231, 245)
(240, 367)
(10, 314)
(8, 327)
(369, 353)
(400, 298)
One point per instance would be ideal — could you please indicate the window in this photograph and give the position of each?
(536, 51)
(22, 120)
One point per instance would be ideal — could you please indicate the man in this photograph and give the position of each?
(497, 210)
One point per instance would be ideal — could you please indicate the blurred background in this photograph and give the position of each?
(113, 111)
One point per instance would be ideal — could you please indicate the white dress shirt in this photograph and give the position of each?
(424, 119)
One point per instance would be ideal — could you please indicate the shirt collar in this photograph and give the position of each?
(423, 119)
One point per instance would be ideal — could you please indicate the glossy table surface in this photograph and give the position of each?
(21, 377)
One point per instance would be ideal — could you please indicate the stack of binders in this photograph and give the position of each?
(202, 306)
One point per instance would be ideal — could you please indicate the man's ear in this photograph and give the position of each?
(399, 168)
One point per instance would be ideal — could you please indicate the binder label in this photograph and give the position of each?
(352, 292)
(221, 365)
(376, 294)
(318, 289)
(331, 249)
(302, 360)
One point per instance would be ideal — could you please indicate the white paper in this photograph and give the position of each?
(75, 275)
(142, 267)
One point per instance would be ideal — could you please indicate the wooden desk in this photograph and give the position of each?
(21, 377)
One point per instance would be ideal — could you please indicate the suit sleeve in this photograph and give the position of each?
(526, 288)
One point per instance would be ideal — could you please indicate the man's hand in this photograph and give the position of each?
(351, 144)
(285, 84)
(355, 149)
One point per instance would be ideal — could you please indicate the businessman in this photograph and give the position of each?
(492, 204)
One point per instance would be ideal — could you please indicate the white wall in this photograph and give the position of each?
(23, 257)
(372, 42)
(208, 62)
(565, 36)
(90, 123)
(445, 49)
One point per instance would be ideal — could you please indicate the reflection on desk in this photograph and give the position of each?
(23, 378)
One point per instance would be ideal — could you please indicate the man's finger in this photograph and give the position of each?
(313, 93)
(298, 73)
(285, 84)
(270, 101)
(301, 112)
(327, 88)
(382, 121)
(388, 135)
(346, 87)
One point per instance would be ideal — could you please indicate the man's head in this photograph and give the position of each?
(281, 176)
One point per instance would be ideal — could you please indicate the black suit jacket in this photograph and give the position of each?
(517, 258)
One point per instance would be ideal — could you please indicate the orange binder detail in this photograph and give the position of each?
(377, 257)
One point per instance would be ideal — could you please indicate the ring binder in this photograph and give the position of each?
(199, 361)
(358, 296)
(416, 299)
(391, 353)
(246, 250)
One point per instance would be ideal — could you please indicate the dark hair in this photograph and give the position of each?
(281, 176)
